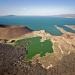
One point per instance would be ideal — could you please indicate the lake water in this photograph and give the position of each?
(40, 23)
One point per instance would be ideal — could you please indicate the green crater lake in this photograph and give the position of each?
(34, 46)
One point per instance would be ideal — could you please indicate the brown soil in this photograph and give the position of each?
(9, 32)
(73, 26)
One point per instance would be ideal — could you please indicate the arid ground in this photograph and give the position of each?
(13, 58)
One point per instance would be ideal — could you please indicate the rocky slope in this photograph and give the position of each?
(12, 62)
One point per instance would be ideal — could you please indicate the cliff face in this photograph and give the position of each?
(9, 32)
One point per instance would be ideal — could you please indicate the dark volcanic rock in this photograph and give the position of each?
(12, 62)
(9, 56)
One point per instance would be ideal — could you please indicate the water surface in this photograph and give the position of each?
(46, 23)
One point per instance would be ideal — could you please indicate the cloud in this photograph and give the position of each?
(43, 11)
(35, 11)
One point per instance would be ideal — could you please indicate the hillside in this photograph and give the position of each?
(59, 62)
(9, 32)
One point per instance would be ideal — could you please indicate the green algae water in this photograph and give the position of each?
(34, 46)
(46, 23)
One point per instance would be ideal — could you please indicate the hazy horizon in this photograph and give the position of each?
(36, 7)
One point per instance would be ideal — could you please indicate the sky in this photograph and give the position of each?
(36, 7)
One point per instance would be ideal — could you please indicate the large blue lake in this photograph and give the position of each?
(40, 23)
